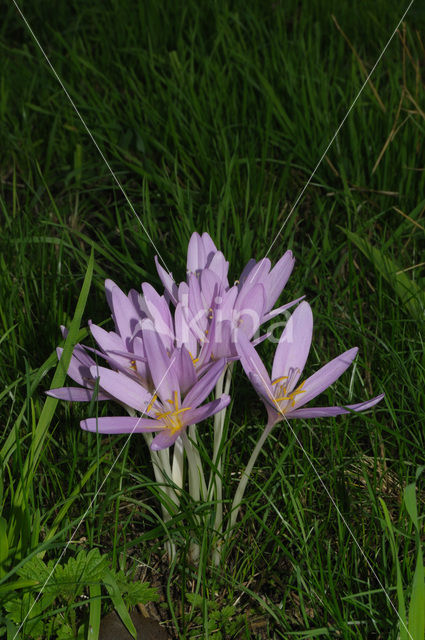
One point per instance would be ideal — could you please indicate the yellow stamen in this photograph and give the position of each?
(150, 405)
(279, 379)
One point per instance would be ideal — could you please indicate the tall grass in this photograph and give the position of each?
(213, 115)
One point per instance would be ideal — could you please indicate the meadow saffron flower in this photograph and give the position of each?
(282, 394)
(173, 401)
(208, 310)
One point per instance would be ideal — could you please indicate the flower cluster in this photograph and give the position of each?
(164, 365)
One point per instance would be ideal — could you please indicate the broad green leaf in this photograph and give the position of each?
(412, 296)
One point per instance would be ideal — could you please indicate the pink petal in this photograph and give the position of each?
(126, 318)
(204, 386)
(164, 439)
(160, 314)
(168, 281)
(121, 425)
(122, 388)
(278, 310)
(209, 246)
(278, 277)
(294, 345)
(220, 267)
(323, 412)
(75, 394)
(161, 366)
(196, 254)
(249, 308)
(251, 361)
(187, 373)
(326, 376)
(201, 413)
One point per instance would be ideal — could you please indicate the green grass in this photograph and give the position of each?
(213, 116)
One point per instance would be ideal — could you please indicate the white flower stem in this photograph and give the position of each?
(196, 473)
(219, 419)
(177, 468)
(245, 477)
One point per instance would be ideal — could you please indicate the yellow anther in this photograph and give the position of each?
(150, 405)
(279, 379)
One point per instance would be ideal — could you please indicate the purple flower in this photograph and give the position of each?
(208, 311)
(282, 394)
(177, 398)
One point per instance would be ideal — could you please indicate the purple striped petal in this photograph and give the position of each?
(184, 335)
(210, 287)
(249, 308)
(76, 394)
(161, 366)
(278, 310)
(255, 272)
(107, 340)
(122, 388)
(278, 277)
(251, 361)
(121, 425)
(324, 377)
(209, 246)
(220, 267)
(205, 385)
(323, 412)
(168, 281)
(126, 318)
(164, 439)
(294, 345)
(196, 254)
(201, 413)
(160, 314)
(76, 370)
(186, 369)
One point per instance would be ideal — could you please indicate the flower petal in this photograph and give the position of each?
(249, 308)
(121, 425)
(209, 246)
(220, 267)
(196, 254)
(122, 388)
(125, 316)
(251, 361)
(294, 344)
(187, 373)
(322, 412)
(160, 314)
(324, 377)
(75, 394)
(278, 310)
(278, 277)
(168, 281)
(162, 367)
(164, 439)
(201, 413)
(205, 385)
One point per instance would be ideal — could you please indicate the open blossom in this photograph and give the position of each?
(208, 310)
(283, 396)
(170, 397)
(175, 403)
